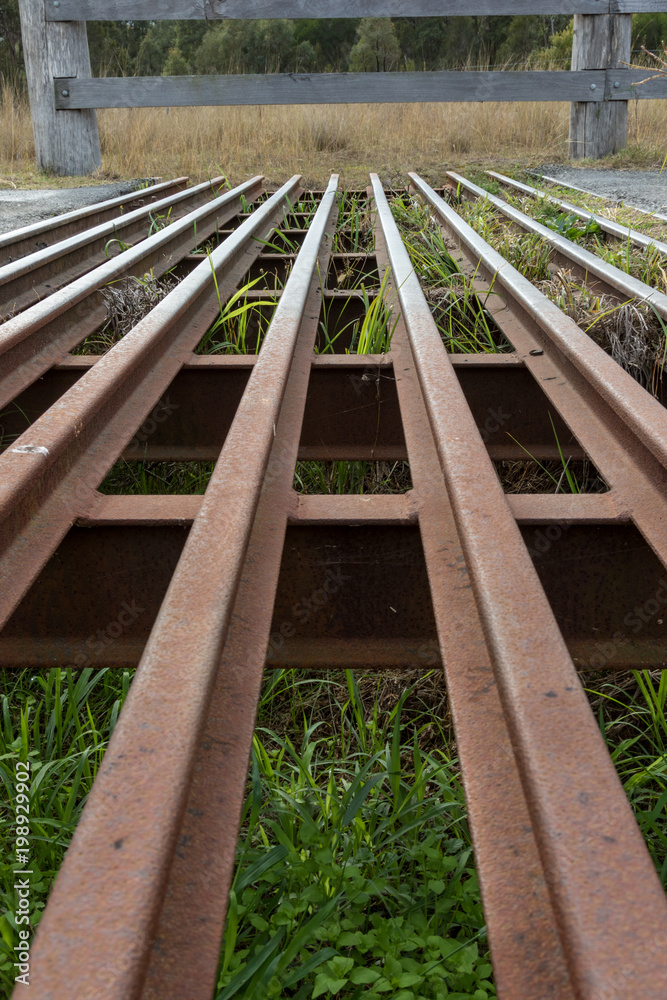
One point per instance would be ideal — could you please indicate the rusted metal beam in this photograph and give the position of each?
(590, 268)
(619, 425)
(351, 413)
(61, 459)
(165, 712)
(545, 709)
(31, 278)
(43, 334)
(126, 551)
(30, 239)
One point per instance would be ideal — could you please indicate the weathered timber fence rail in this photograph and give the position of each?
(63, 94)
(509, 594)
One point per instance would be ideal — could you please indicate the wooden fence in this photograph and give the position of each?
(64, 96)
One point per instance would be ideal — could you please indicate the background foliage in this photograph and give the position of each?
(145, 48)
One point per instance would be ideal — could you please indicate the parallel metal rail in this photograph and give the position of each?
(575, 187)
(511, 594)
(613, 229)
(29, 239)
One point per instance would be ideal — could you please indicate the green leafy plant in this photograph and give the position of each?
(158, 222)
(459, 312)
(230, 332)
(571, 226)
(354, 874)
(60, 721)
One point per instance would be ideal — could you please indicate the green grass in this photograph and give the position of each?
(149, 478)
(649, 266)
(459, 313)
(633, 721)
(352, 477)
(355, 874)
(631, 331)
(355, 871)
(61, 722)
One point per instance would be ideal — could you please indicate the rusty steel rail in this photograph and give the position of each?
(597, 273)
(45, 333)
(31, 278)
(614, 229)
(29, 239)
(510, 594)
(546, 712)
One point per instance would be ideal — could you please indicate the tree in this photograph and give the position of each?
(11, 49)
(649, 30)
(175, 64)
(530, 32)
(377, 49)
(331, 39)
(248, 47)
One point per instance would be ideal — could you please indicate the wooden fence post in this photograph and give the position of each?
(601, 41)
(66, 142)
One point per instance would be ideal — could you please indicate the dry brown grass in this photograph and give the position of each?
(317, 140)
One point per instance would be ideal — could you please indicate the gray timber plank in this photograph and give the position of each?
(163, 10)
(67, 144)
(336, 88)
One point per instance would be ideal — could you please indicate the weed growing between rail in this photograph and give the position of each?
(132, 478)
(649, 266)
(564, 476)
(341, 769)
(620, 213)
(464, 324)
(632, 332)
(633, 720)
(352, 477)
(127, 302)
(357, 874)
(61, 721)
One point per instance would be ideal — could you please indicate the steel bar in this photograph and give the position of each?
(619, 232)
(351, 410)
(60, 460)
(202, 872)
(166, 709)
(127, 553)
(545, 708)
(611, 279)
(29, 239)
(41, 335)
(526, 952)
(605, 197)
(31, 278)
(621, 427)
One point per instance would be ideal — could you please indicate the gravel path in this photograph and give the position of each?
(22, 208)
(645, 189)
